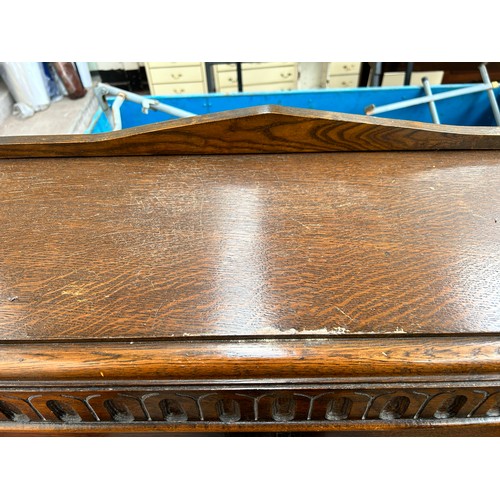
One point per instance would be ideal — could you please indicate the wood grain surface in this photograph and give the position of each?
(263, 129)
(345, 293)
(250, 245)
(397, 428)
(262, 361)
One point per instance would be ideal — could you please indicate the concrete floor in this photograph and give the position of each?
(66, 116)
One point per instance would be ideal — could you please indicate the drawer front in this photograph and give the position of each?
(397, 78)
(256, 65)
(171, 64)
(178, 74)
(343, 81)
(179, 88)
(341, 68)
(286, 74)
(261, 87)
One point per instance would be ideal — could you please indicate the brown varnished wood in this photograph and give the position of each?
(409, 428)
(253, 360)
(146, 289)
(378, 408)
(264, 129)
(255, 245)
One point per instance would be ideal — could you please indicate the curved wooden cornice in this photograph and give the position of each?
(261, 129)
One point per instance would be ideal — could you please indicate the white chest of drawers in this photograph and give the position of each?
(176, 78)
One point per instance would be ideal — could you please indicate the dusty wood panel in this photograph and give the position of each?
(252, 360)
(248, 245)
(264, 129)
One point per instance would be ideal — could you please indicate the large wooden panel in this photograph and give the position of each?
(164, 280)
(250, 245)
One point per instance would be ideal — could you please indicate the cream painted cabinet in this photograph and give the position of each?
(342, 74)
(257, 77)
(190, 77)
(397, 78)
(176, 78)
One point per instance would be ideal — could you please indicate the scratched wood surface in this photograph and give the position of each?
(250, 245)
(263, 129)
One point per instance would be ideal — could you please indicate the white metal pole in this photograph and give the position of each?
(432, 104)
(375, 110)
(491, 94)
(150, 103)
(117, 117)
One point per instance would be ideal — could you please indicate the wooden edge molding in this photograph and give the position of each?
(334, 407)
(261, 129)
(311, 359)
(453, 428)
(401, 386)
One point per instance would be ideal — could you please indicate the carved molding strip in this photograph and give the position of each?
(328, 405)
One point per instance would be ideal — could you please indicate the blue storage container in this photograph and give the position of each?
(471, 109)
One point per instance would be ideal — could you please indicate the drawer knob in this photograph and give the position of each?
(176, 77)
(178, 91)
(287, 75)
